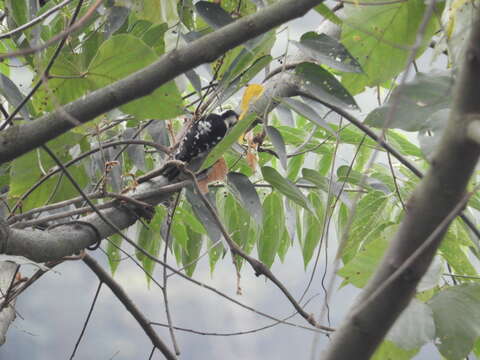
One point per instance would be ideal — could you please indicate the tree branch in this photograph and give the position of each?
(433, 200)
(122, 296)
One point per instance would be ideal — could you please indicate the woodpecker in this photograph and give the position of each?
(202, 136)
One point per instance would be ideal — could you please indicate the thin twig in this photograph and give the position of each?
(122, 296)
(77, 159)
(35, 20)
(236, 333)
(165, 277)
(395, 182)
(90, 311)
(63, 35)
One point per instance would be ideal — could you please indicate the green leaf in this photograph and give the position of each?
(456, 312)
(272, 231)
(401, 143)
(64, 189)
(4, 65)
(348, 175)
(320, 83)
(286, 187)
(214, 254)
(367, 223)
(72, 84)
(237, 221)
(192, 251)
(122, 55)
(414, 328)
(228, 140)
(113, 252)
(328, 51)
(246, 193)
(349, 135)
(324, 184)
(24, 172)
(179, 232)
(237, 61)
(414, 103)
(90, 47)
(242, 79)
(27, 169)
(309, 113)
(204, 215)
(153, 37)
(313, 228)
(213, 14)
(389, 351)
(18, 10)
(149, 239)
(358, 270)
(183, 215)
(328, 14)
(153, 10)
(362, 156)
(325, 163)
(278, 145)
(380, 37)
(185, 13)
(454, 252)
(295, 163)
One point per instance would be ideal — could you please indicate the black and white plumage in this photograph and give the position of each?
(202, 136)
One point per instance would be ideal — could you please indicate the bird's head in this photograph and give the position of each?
(230, 118)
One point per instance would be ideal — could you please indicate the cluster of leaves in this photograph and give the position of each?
(297, 187)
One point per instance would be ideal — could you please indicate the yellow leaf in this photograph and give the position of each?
(252, 93)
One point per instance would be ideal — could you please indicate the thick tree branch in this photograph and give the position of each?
(432, 201)
(60, 241)
(18, 140)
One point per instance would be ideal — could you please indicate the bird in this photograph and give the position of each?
(202, 136)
